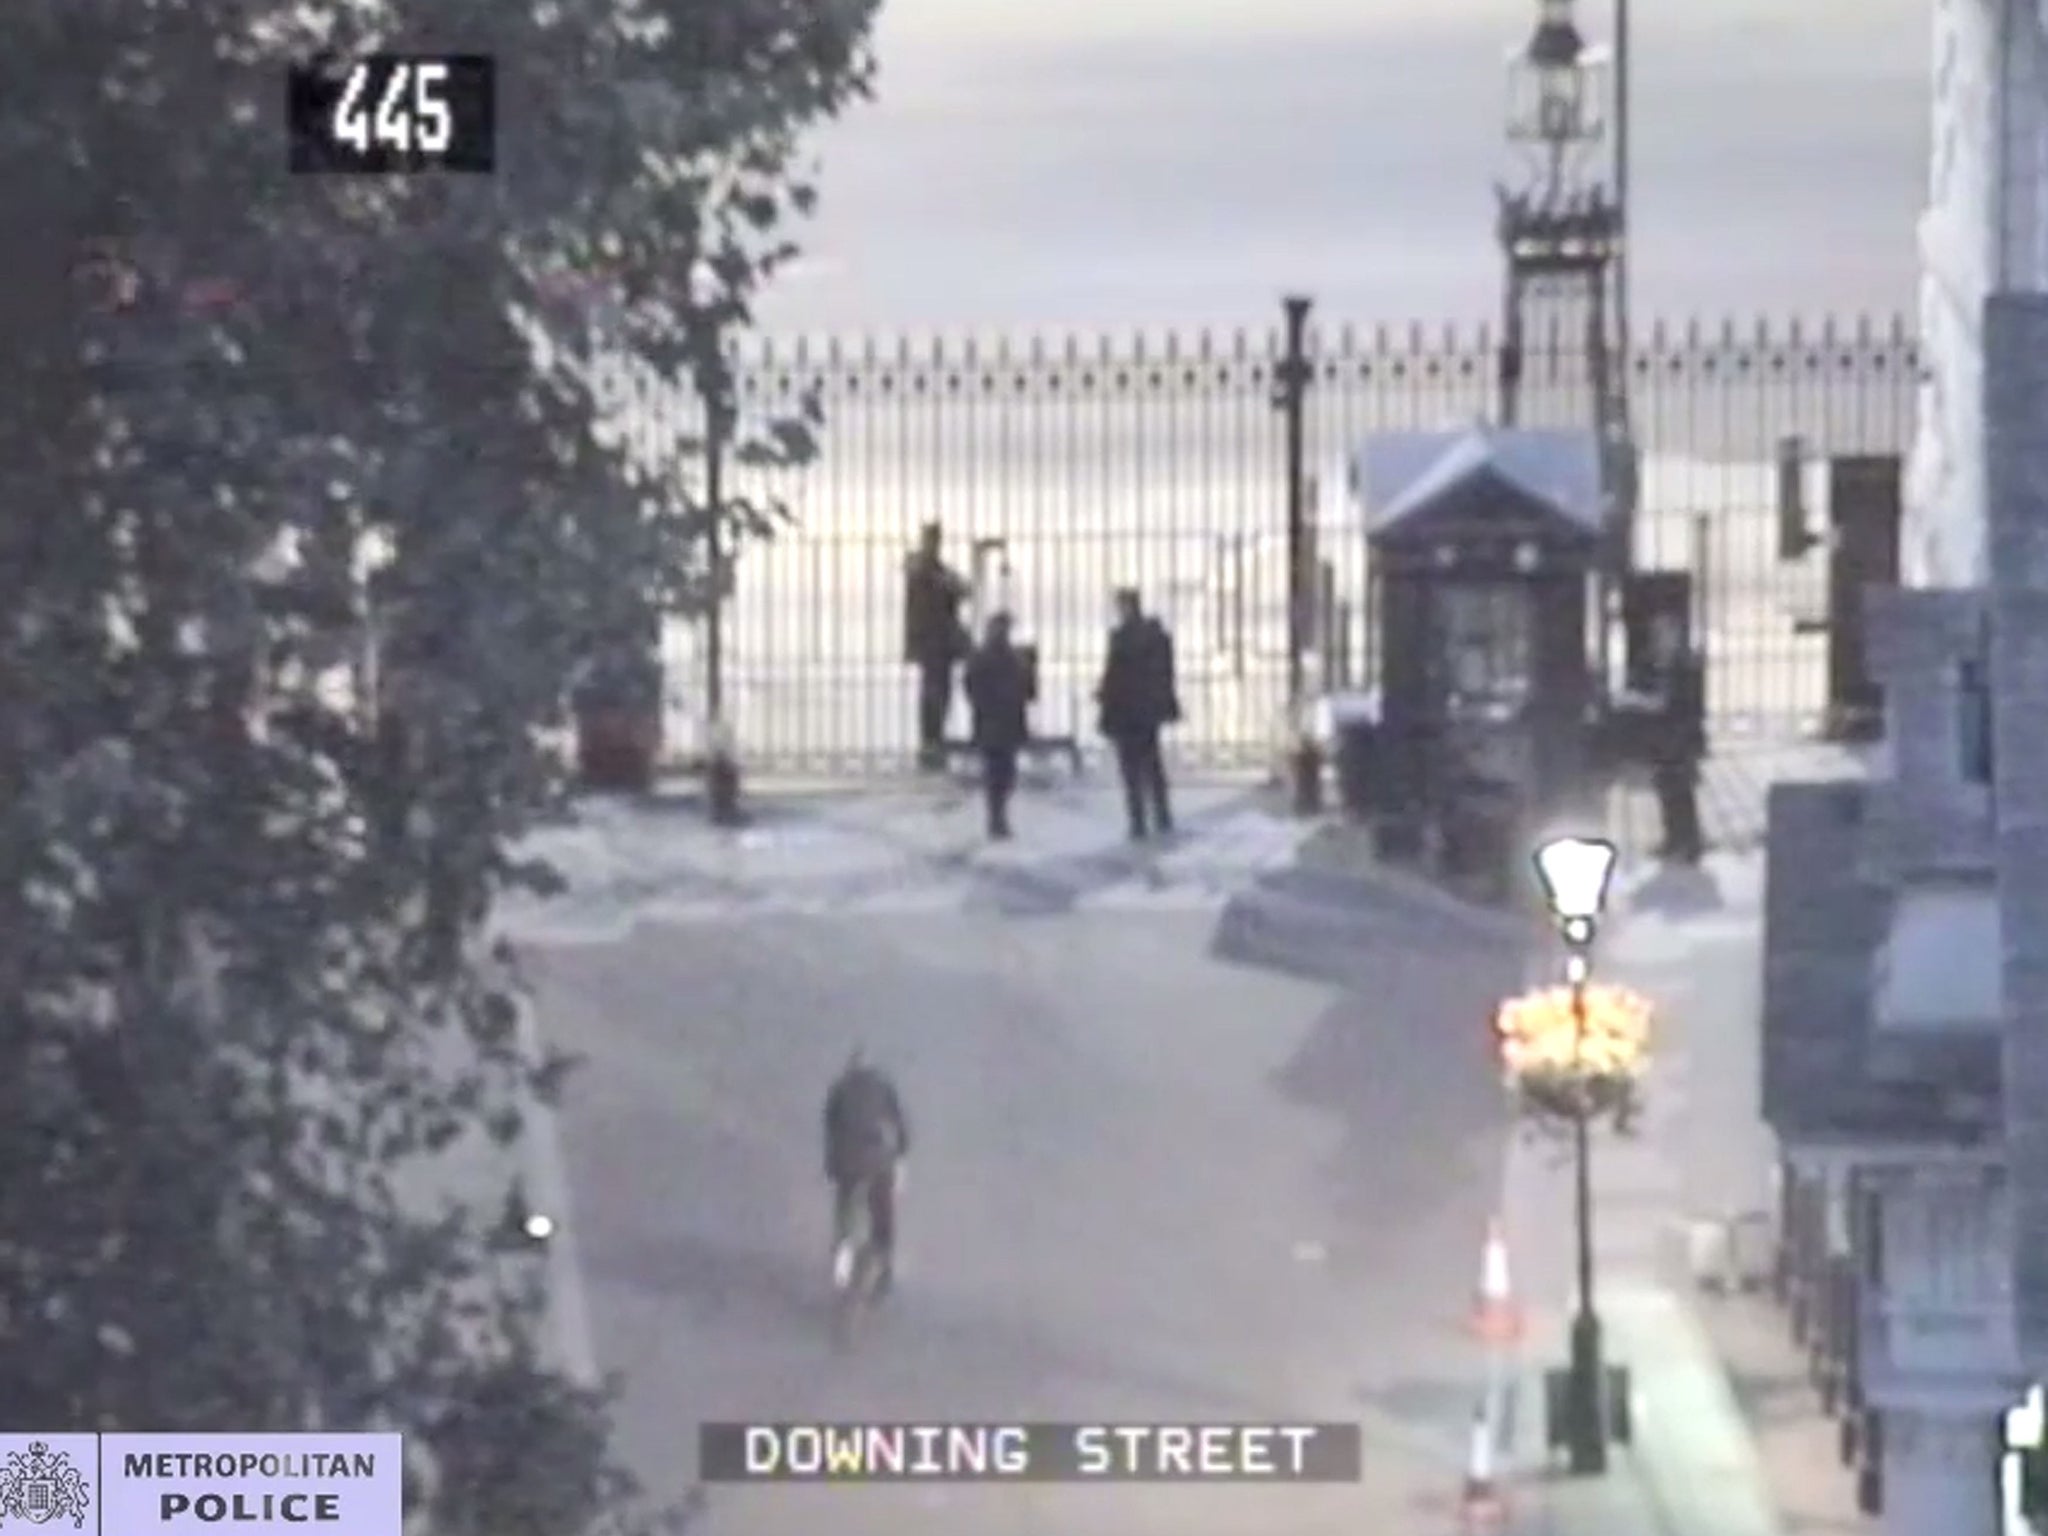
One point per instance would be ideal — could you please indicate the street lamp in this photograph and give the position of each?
(714, 383)
(1621, 175)
(1575, 873)
(705, 295)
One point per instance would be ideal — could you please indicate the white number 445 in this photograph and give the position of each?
(412, 113)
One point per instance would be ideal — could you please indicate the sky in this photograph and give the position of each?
(1046, 163)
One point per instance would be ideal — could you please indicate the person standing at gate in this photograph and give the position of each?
(1680, 743)
(934, 640)
(999, 686)
(1138, 698)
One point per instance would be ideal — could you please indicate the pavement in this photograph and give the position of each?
(1150, 1181)
(1798, 1445)
(1735, 781)
(914, 848)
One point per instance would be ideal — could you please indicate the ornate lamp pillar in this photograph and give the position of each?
(1940, 1363)
(1575, 1055)
(722, 780)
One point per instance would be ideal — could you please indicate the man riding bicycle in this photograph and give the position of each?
(866, 1140)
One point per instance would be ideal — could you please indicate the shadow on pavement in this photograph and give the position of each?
(1402, 1056)
(1404, 1072)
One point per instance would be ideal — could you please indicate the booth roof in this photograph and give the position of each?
(1396, 474)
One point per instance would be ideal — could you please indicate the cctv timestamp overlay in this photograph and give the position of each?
(394, 114)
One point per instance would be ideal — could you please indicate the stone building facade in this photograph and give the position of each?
(1985, 230)
(1906, 1064)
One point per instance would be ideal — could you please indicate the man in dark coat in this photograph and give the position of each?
(999, 689)
(1138, 698)
(934, 640)
(867, 1137)
(1680, 745)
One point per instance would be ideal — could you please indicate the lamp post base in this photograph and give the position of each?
(722, 790)
(1587, 1393)
(1305, 769)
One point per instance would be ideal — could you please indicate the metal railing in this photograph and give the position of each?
(1076, 464)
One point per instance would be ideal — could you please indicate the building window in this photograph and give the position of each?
(1487, 642)
(1974, 722)
(1871, 1200)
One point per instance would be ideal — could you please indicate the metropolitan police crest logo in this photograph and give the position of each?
(39, 1486)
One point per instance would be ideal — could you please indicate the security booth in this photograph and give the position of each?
(1484, 551)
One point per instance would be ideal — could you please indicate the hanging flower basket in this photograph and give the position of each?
(1561, 1068)
(1564, 1096)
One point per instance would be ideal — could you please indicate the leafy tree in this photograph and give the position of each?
(266, 434)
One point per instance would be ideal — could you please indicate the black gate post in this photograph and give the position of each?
(1865, 495)
(1291, 398)
(714, 555)
(716, 382)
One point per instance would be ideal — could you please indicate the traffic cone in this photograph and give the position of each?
(1482, 1508)
(1496, 1315)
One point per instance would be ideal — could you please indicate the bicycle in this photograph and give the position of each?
(857, 1269)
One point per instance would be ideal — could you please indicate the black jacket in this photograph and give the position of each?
(865, 1128)
(1138, 693)
(932, 594)
(1682, 732)
(999, 692)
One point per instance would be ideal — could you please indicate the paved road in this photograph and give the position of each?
(1148, 1185)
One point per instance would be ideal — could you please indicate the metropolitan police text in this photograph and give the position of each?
(997, 1451)
(265, 1464)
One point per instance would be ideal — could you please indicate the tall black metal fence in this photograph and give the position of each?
(1081, 464)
